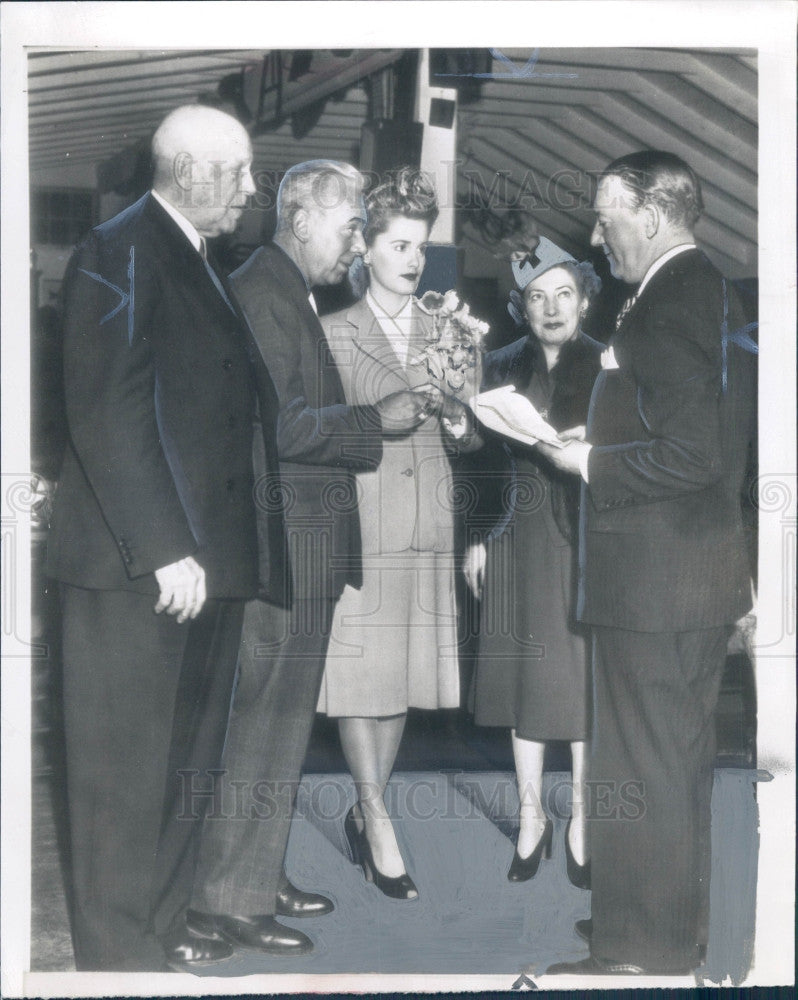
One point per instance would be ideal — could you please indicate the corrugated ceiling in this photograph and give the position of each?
(537, 130)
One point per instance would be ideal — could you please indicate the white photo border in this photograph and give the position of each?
(768, 26)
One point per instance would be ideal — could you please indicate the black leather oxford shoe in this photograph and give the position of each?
(593, 966)
(262, 933)
(293, 902)
(188, 950)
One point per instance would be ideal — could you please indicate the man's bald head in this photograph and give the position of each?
(201, 159)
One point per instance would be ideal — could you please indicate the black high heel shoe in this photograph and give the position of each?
(578, 875)
(523, 869)
(400, 887)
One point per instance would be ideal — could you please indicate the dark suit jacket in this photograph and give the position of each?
(159, 402)
(320, 439)
(663, 546)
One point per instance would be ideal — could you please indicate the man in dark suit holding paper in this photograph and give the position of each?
(154, 539)
(664, 571)
(241, 885)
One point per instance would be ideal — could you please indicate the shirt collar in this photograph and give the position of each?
(192, 235)
(661, 261)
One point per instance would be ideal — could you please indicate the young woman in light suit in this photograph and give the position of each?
(394, 641)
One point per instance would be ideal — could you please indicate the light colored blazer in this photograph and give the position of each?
(406, 503)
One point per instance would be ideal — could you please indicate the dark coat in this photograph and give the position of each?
(663, 546)
(160, 402)
(494, 470)
(321, 440)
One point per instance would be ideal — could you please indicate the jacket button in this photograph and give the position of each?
(227, 364)
(407, 472)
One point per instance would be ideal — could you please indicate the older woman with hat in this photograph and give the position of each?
(532, 665)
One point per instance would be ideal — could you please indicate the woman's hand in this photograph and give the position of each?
(474, 567)
(457, 429)
(454, 417)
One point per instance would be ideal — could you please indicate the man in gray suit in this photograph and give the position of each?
(241, 885)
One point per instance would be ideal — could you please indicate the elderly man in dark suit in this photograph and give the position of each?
(241, 885)
(154, 539)
(664, 571)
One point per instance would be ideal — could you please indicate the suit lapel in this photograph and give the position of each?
(216, 274)
(272, 272)
(375, 350)
(180, 255)
(653, 290)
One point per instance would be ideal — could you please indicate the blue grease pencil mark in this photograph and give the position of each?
(739, 337)
(515, 72)
(125, 298)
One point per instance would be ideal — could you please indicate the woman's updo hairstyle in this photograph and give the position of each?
(406, 192)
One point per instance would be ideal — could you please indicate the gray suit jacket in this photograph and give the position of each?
(321, 439)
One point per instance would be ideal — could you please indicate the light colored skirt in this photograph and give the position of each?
(393, 643)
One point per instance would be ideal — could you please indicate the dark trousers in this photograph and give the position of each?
(245, 835)
(651, 772)
(145, 700)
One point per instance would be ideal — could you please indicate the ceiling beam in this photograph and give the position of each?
(44, 64)
(336, 75)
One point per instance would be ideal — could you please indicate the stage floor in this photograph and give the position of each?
(456, 831)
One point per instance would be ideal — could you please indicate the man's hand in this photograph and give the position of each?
(42, 496)
(573, 433)
(406, 409)
(568, 459)
(474, 567)
(454, 417)
(182, 589)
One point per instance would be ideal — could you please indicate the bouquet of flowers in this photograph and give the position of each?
(454, 343)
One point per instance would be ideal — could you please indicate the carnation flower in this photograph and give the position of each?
(454, 342)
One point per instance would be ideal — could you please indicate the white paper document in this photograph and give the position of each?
(509, 413)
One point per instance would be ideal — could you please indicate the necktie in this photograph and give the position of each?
(203, 251)
(624, 310)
